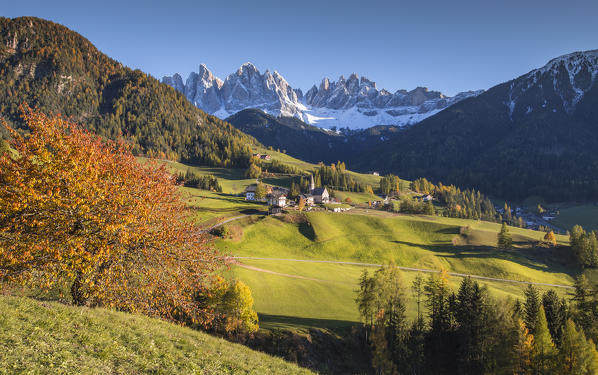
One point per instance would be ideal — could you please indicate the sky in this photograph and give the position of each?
(449, 46)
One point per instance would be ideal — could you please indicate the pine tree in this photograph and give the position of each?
(504, 238)
(544, 351)
(531, 306)
(585, 309)
(556, 314)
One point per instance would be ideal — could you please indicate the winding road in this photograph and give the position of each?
(235, 260)
(225, 221)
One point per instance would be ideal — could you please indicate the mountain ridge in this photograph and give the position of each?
(354, 102)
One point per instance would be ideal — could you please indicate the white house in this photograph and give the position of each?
(275, 199)
(308, 198)
(250, 193)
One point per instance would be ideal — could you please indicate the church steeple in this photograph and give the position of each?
(312, 184)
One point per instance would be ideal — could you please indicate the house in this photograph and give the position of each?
(265, 157)
(374, 173)
(250, 192)
(321, 195)
(308, 198)
(277, 199)
(426, 198)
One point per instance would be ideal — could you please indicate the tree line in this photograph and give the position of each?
(195, 180)
(470, 332)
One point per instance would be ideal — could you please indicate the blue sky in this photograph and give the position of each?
(449, 46)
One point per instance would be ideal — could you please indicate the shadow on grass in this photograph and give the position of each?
(268, 321)
(306, 229)
(550, 260)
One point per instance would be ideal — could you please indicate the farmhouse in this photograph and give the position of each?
(308, 198)
(250, 192)
(277, 198)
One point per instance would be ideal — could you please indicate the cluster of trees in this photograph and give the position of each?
(466, 204)
(390, 184)
(469, 332)
(508, 217)
(79, 211)
(410, 205)
(56, 70)
(192, 179)
(585, 246)
(422, 186)
(336, 177)
(275, 166)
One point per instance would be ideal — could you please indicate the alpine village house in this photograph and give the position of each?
(277, 197)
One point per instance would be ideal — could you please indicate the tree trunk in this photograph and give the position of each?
(77, 292)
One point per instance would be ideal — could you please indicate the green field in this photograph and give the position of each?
(584, 215)
(211, 208)
(304, 294)
(50, 338)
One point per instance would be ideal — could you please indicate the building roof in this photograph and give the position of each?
(319, 191)
(277, 194)
(251, 188)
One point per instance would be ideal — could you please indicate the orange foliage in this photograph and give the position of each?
(80, 210)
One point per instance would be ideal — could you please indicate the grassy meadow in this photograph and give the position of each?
(300, 294)
(50, 338)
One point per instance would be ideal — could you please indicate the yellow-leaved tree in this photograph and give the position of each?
(81, 211)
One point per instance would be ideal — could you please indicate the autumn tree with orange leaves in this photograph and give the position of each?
(79, 210)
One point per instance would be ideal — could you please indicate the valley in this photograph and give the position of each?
(299, 286)
(245, 226)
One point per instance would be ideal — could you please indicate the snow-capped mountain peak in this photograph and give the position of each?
(353, 102)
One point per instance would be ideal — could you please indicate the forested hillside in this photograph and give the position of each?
(54, 69)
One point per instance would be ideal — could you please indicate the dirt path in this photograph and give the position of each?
(225, 221)
(234, 260)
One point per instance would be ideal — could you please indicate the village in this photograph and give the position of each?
(278, 198)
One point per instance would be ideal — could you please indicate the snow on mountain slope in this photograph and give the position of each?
(353, 103)
(557, 86)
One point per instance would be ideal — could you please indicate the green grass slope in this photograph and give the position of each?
(50, 338)
(302, 294)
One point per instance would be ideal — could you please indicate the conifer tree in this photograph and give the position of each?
(504, 238)
(576, 354)
(544, 351)
(531, 306)
(556, 314)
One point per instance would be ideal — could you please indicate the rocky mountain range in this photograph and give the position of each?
(354, 102)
